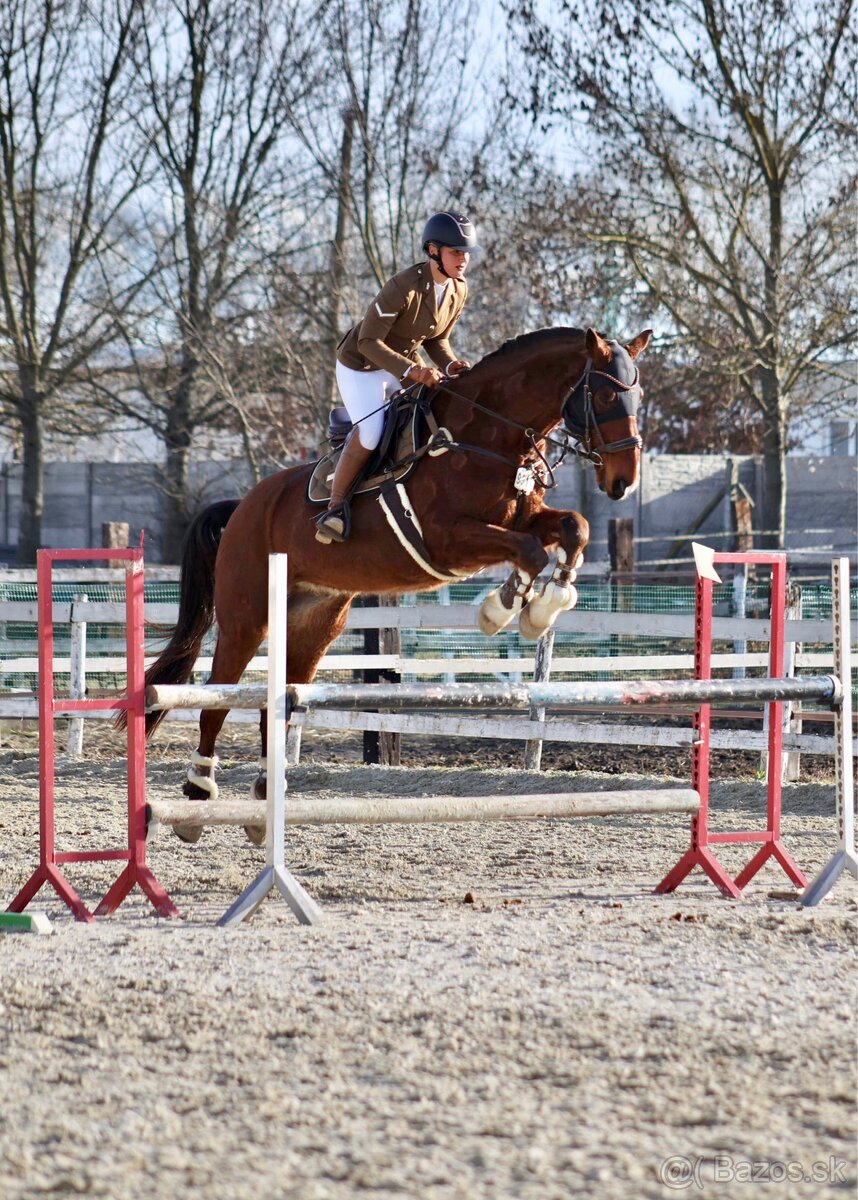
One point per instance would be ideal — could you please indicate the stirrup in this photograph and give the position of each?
(334, 524)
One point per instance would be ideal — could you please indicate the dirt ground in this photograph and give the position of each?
(487, 1010)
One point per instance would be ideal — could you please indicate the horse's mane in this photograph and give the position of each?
(530, 342)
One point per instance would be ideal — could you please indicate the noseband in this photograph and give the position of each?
(581, 418)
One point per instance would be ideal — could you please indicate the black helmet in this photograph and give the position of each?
(450, 229)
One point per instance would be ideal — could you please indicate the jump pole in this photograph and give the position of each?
(845, 856)
(275, 875)
(407, 810)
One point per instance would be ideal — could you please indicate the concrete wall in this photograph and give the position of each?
(675, 490)
(79, 497)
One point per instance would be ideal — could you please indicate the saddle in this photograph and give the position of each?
(410, 432)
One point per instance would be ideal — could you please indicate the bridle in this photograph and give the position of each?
(581, 419)
(583, 426)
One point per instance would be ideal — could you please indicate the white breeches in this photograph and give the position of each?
(366, 395)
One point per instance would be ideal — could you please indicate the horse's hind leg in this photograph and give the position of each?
(316, 619)
(234, 650)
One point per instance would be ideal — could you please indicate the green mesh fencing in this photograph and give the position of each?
(18, 639)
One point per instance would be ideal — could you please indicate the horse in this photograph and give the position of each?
(479, 504)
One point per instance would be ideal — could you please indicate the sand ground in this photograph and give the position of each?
(487, 1010)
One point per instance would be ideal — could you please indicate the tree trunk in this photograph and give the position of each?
(177, 516)
(178, 438)
(33, 484)
(774, 462)
(329, 392)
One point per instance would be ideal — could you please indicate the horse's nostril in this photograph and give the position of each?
(620, 486)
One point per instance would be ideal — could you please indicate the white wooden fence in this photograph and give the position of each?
(85, 660)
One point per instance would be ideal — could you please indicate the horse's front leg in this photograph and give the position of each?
(486, 545)
(569, 532)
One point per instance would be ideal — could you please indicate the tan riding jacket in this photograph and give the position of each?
(403, 317)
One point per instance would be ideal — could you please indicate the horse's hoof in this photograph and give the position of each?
(255, 834)
(259, 788)
(493, 616)
(194, 792)
(543, 610)
(528, 630)
(188, 833)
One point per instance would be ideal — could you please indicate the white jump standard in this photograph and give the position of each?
(845, 857)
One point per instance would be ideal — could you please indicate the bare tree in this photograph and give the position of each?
(406, 115)
(70, 166)
(218, 79)
(714, 133)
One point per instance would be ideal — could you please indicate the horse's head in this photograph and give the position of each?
(601, 411)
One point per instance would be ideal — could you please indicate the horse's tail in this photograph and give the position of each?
(196, 601)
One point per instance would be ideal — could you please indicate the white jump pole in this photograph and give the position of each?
(845, 795)
(275, 874)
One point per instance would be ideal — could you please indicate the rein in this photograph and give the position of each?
(545, 482)
(582, 432)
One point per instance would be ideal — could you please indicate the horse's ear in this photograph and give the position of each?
(639, 344)
(597, 348)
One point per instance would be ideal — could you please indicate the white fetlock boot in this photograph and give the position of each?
(206, 783)
(559, 595)
(501, 605)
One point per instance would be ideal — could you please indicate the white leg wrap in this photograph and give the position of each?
(558, 595)
(206, 782)
(494, 615)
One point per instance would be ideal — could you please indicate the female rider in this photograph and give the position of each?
(379, 356)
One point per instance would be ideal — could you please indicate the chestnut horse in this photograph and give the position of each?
(471, 502)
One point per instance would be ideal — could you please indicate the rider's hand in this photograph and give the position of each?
(428, 376)
(457, 366)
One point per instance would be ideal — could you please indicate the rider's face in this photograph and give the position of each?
(455, 262)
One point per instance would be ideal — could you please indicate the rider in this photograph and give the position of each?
(379, 356)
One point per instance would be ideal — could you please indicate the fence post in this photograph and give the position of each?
(790, 763)
(381, 748)
(77, 677)
(621, 547)
(114, 536)
(792, 710)
(390, 744)
(740, 609)
(541, 674)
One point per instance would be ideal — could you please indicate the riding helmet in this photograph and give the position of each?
(450, 229)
